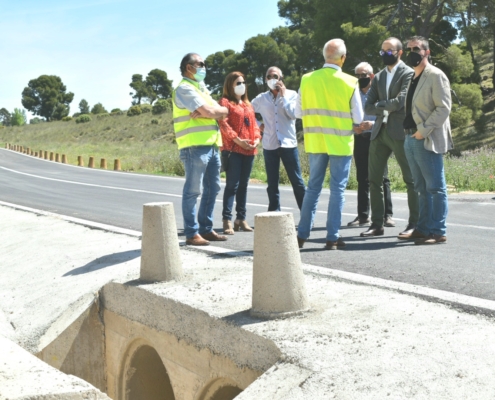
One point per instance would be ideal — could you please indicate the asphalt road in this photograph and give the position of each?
(466, 264)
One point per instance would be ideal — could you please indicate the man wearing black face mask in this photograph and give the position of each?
(428, 137)
(364, 73)
(386, 100)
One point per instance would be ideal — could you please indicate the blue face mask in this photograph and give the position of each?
(200, 74)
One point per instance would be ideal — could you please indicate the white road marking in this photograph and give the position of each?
(119, 188)
(180, 196)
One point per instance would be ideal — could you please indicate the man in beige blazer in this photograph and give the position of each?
(428, 138)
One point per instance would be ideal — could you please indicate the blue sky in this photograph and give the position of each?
(95, 46)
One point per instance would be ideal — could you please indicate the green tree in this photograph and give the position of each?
(18, 117)
(98, 109)
(5, 117)
(83, 107)
(219, 65)
(47, 96)
(158, 84)
(140, 89)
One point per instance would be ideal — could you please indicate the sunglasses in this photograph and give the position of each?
(274, 76)
(387, 52)
(240, 83)
(199, 64)
(361, 75)
(414, 49)
(246, 121)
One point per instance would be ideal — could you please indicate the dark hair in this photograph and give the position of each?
(398, 43)
(424, 42)
(228, 88)
(188, 59)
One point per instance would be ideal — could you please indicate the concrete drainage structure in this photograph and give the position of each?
(135, 345)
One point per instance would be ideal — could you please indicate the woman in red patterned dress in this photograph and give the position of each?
(240, 135)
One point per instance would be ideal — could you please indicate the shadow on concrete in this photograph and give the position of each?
(105, 261)
(241, 318)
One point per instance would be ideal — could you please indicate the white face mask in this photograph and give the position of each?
(240, 89)
(271, 83)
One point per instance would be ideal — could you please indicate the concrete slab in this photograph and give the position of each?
(359, 341)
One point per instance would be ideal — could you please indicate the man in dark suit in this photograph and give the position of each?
(386, 100)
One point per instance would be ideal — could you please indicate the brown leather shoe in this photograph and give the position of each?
(338, 244)
(388, 222)
(431, 239)
(227, 227)
(214, 237)
(300, 242)
(373, 230)
(197, 240)
(407, 234)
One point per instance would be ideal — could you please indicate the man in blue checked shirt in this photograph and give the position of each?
(276, 107)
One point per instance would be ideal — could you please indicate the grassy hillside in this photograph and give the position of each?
(144, 146)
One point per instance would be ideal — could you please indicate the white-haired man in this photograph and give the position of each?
(276, 107)
(364, 73)
(330, 107)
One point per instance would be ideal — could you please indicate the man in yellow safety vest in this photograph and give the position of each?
(198, 138)
(330, 106)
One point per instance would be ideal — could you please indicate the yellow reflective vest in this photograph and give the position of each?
(194, 131)
(326, 112)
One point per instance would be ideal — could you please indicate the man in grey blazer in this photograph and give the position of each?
(428, 138)
(386, 100)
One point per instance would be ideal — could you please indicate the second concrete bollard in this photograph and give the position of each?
(160, 254)
(279, 288)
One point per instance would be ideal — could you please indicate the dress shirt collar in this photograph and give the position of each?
(334, 66)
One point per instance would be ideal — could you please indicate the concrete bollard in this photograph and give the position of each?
(64, 159)
(40, 153)
(45, 155)
(160, 254)
(36, 154)
(279, 289)
(28, 151)
(116, 165)
(103, 163)
(80, 161)
(51, 156)
(57, 157)
(91, 163)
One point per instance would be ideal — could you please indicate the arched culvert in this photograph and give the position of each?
(146, 377)
(220, 389)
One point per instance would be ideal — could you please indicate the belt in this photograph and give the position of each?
(409, 131)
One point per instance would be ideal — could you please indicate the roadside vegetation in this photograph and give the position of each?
(145, 143)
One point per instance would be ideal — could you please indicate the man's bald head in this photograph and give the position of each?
(334, 51)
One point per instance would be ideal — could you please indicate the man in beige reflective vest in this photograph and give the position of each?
(198, 138)
(330, 106)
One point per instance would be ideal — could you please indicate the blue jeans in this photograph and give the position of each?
(290, 159)
(429, 183)
(340, 167)
(237, 173)
(202, 166)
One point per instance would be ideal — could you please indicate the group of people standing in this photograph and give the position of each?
(402, 110)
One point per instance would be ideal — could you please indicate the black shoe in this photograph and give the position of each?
(359, 222)
(407, 233)
(373, 230)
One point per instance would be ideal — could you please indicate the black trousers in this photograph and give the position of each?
(361, 154)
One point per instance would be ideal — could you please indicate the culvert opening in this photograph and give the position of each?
(133, 345)
(147, 377)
